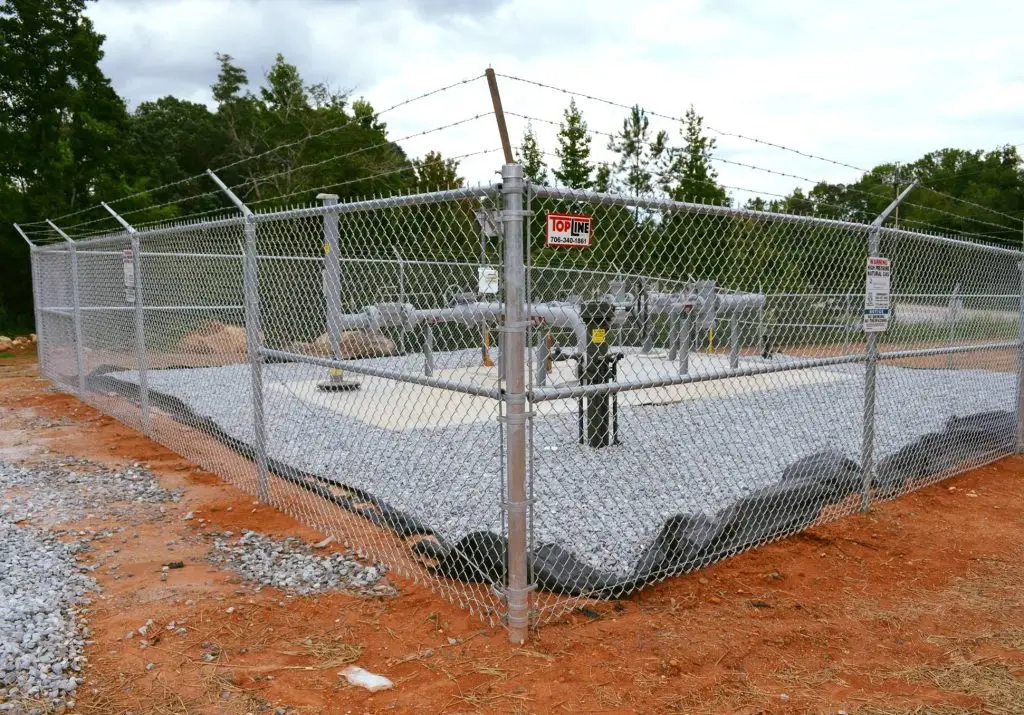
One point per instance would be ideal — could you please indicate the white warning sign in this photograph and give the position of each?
(129, 275)
(876, 296)
(568, 231)
(487, 278)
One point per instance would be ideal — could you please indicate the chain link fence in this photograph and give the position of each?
(530, 397)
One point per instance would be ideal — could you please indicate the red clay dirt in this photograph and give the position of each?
(917, 606)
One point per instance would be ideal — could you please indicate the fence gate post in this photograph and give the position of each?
(140, 325)
(76, 309)
(513, 354)
(253, 346)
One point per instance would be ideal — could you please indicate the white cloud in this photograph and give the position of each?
(862, 82)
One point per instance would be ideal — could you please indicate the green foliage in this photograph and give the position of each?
(531, 158)
(573, 151)
(690, 175)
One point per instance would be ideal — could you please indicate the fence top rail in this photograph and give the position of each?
(165, 230)
(670, 205)
(367, 205)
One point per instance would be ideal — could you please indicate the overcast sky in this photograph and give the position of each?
(862, 81)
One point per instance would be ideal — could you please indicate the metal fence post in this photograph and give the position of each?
(76, 307)
(1020, 364)
(253, 346)
(140, 325)
(871, 367)
(36, 296)
(513, 355)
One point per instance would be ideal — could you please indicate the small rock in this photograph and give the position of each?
(189, 517)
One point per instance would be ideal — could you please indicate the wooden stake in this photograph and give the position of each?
(499, 115)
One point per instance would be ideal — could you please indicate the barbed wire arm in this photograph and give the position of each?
(24, 235)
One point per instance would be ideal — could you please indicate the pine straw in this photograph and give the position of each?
(997, 685)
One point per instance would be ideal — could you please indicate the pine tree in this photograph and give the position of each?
(603, 178)
(633, 146)
(531, 157)
(691, 176)
(574, 151)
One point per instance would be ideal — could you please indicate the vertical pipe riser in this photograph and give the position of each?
(332, 271)
(512, 354)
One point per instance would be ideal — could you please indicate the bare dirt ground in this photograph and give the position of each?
(916, 607)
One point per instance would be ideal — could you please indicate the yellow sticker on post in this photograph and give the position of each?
(597, 336)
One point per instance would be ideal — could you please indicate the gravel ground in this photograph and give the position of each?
(68, 489)
(292, 565)
(44, 593)
(605, 505)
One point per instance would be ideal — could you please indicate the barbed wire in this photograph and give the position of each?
(682, 120)
(256, 180)
(968, 203)
(370, 177)
(806, 179)
(330, 130)
(154, 207)
(353, 121)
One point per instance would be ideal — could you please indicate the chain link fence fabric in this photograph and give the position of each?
(529, 397)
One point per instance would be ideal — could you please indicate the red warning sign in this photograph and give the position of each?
(568, 231)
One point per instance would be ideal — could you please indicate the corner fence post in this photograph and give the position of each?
(513, 354)
(871, 366)
(253, 347)
(140, 325)
(76, 307)
(36, 296)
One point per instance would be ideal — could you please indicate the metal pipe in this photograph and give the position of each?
(76, 310)
(24, 235)
(1020, 365)
(428, 349)
(952, 323)
(36, 301)
(253, 346)
(513, 345)
(401, 297)
(251, 282)
(685, 333)
(871, 367)
(570, 391)
(397, 376)
(926, 352)
(734, 338)
(125, 308)
(140, 337)
(140, 326)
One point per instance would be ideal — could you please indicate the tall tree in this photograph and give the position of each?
(575, 169)
(690, 175)
(531, 157)
(633, 145)
(435, 173)
(60, 127)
